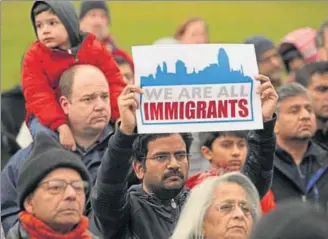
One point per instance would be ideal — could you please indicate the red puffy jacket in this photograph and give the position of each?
(42, 68)
(267, 203)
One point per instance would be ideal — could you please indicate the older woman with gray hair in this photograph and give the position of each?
(220, 207)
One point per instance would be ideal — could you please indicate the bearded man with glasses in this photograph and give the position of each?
(161, 161)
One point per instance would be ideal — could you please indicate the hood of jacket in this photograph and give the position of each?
(65, 11)
(301, 41)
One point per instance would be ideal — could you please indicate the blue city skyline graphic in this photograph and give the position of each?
(219, 72)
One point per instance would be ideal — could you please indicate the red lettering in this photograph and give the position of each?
(233, 107)
(242, 104)
(171, 110)
(146, 111)
(196, 110)
(156, 111)
(201, 110)
(222, 109)
(181, 111)
(190, 110)
(211, 111)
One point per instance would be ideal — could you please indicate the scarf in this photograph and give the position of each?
(39, 230)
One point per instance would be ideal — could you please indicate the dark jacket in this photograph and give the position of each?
(321, 138)
(12, 110)
(9, 177)
(42, 68)
(12, 118)
(18, 232)
(308, 181)
(9, 146)
(123, 213)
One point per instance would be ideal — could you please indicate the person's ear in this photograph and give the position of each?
(276, 127)
(207, 153)
(65, 104)
(28, 204)
(139, 169)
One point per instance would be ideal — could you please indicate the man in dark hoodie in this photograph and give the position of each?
(60, 45)
(161, 161)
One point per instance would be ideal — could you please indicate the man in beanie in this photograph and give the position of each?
(95, 18)
(53, 186)
(292, 220)
(268, 58)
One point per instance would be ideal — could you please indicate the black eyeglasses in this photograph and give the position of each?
(166, 157)
(229, 207)
(58, 186)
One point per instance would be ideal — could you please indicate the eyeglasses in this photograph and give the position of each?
(229, 207)
(166, 157)
(58, 186)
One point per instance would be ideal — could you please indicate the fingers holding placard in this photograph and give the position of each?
(269, 96)
(128, 104)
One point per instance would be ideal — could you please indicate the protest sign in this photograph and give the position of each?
(197, 88)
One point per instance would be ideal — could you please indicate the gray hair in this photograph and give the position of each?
(190, 224)
(290, 90)
(320, 38)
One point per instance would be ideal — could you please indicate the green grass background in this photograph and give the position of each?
(136, 22)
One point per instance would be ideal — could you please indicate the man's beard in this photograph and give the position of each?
(164, 192)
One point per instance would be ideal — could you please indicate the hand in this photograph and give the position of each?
(66, 138)
(128, 104)
(269, 97)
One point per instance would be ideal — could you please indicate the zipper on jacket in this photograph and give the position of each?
(173, 204)
(76, 59)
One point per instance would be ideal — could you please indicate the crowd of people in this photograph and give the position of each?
(74, 166)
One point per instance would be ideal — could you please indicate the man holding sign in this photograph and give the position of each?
(161, 161)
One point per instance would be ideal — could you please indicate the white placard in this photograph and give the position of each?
(197, 88)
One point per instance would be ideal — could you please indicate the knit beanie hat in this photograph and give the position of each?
(46, 155)
(293, 219)
(261, 44)
(89, 5)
